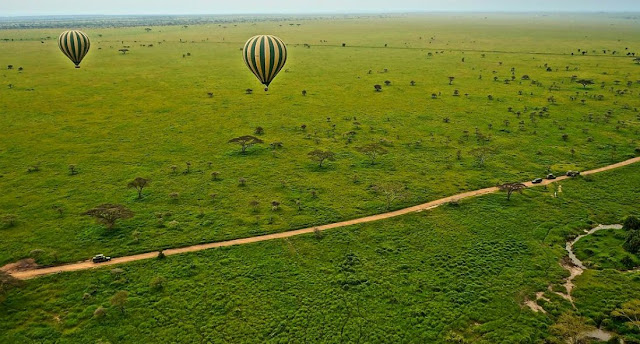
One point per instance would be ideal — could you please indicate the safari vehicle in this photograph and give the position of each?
(573, 173)
(537, 181)
(100, 258)
(551, 176)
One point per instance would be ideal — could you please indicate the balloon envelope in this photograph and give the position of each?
(265, 55)
(75, 44)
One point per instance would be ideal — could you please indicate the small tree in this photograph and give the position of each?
(259, 131)
(412, 83)
(108, 214)
(637, 60)
(147, 29)
(119, 300)
(254, 205)
(480, 154)
(372, 150)
(387, 82)
(585, 82)
(304, 92)
(214, 175)
(378, 88)
(246, 141)
(510, 188)
(123, 51)
(570, 328)
(248, 91)
(320, 156)
(139, 183)
(451, 78)
(390, 192)
(275, 205)
(72, 170)
(10, 67)
(630, 312)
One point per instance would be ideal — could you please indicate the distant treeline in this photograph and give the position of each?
(104, 21)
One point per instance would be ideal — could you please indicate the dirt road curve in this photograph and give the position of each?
(430, 205)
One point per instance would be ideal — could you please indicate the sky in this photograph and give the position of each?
(74, 7)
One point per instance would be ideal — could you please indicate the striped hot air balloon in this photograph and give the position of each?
(75, 44)
(265, 55)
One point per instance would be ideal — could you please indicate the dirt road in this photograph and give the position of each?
(27, 274)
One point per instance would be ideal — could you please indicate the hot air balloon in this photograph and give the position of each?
(265, 55)
(75, 44)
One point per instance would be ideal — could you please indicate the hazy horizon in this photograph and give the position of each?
(11, 8)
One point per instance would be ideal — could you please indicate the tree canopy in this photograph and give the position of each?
(246, 141)
(108, 214)
(320, 156)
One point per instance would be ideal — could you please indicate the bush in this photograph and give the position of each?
(318, 233)
(100, 312)
(8, 220)
(632, 244)
(631, 223)
(157, 283)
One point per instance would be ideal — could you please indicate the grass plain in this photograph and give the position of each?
(456, 271)
(124, 116)
(459, 271)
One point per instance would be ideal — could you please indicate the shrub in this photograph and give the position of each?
(100, 312)
(632, 244)
(631, 223)
(157, 283)
(8, 220)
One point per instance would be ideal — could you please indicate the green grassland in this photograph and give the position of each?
(604, 250)
(459, 270)
(123, 116)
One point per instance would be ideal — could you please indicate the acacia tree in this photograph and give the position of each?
(123, 51)
(139, 183)
(378, 88)
(451, 78)
(570, 328)
(320, 156)
(510, 188)
(630, 312)
(108, 214)
(390, 192)
(585, 82)
(372, 150)
(246, 141)
(480, 154)
(119, 300)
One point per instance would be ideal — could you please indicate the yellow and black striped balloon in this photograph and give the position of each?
(75, 44)
(265, 55)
